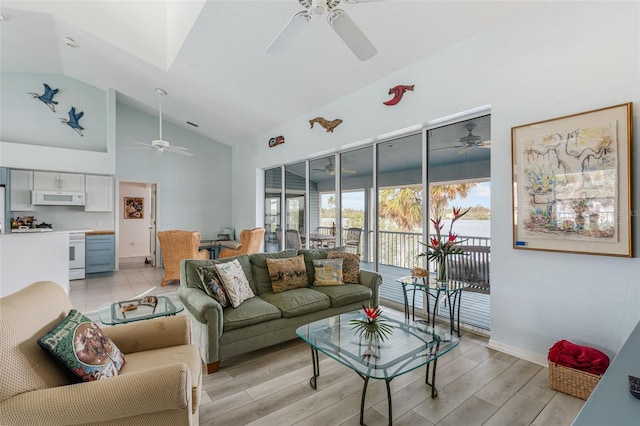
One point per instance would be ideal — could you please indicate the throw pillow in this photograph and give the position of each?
(328, 272)
(212, 284)
(82, 348)
(287, 274)
(350, 266)
(235, 282)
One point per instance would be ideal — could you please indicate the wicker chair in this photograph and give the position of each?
(250, 241)
(178, 245)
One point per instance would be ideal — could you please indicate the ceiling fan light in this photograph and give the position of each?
(318, 7)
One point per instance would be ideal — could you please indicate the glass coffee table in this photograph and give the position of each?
(115, 314)
(411, 346)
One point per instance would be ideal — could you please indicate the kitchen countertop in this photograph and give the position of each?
(100, 232)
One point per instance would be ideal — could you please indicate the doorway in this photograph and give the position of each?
(136, 224)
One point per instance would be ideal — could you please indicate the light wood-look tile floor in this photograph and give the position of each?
(477, 385)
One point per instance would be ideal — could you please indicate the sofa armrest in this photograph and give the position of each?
(202, 307)
(157, 389)
(151, 334)
(373, 280)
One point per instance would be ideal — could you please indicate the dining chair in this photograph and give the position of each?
(352, 239)
(293, 239)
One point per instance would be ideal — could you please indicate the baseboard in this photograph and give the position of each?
(518, 352)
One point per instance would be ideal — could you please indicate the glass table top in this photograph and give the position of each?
(113, 314)
(411, 345)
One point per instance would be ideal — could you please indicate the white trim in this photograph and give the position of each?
(517, 352)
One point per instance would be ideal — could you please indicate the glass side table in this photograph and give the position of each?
(112, 314)
(451, 289)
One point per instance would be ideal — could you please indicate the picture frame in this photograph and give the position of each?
(133, 208)
(572, 183)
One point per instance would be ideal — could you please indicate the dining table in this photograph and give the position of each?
(322, 240)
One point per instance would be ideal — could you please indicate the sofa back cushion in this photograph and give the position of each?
(189, 276)
(25, 316)
(261, 272)
(313, 254)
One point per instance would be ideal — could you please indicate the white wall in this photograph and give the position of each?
(135, 236)
(554, 59)
(194, 193)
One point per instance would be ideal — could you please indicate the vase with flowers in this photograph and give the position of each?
(439, 247)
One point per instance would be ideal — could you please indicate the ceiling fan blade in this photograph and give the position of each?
(352, 36)
(288, 34)
(185, 153)
(348, 171)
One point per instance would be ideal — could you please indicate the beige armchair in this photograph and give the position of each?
(250, 241)
(178, 245)
(159, 383)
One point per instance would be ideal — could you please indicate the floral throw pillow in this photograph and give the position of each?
(82, 348)
(287, 274)
(328, 272)
(212, 284)
(350, 266)
(235, 282)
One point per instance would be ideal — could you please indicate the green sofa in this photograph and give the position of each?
(268, 318)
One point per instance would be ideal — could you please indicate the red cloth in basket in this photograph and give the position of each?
(581, 358)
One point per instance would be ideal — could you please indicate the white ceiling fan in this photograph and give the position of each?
(331, 169)
(471, 140)
(346, 29)
(160, 145)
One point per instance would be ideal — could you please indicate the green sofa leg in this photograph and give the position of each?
(213, 367)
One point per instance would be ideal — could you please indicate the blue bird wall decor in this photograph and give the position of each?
(72, 121)
(47, 96)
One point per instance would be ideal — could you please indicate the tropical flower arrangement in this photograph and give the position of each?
(439, 248)
(373, 325)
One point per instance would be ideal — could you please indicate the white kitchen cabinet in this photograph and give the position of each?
(21, 187)
(99, 193)
(53, 181)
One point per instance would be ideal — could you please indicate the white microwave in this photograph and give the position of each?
(57, 198)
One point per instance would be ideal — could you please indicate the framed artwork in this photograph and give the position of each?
(572, 183)
(133, 207)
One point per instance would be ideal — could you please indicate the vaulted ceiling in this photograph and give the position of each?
(210, 55)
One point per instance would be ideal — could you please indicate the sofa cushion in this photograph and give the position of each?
(299, 301)
(346, 294)
(212, 284)
(350, 266)
(287, 274)
(261, 272)
(310, 255)
(82, 348)
(327, 272)
(252, 311)
(235, 282)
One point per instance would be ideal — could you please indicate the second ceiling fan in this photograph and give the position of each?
(338, 19)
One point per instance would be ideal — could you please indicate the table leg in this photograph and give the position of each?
(434, 391)
(364, 393)
(316, 368)
(406, 302)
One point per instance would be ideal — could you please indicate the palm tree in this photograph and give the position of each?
(403, 206)
(442, 194)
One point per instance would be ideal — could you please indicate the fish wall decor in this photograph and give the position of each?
(397, 93)
(328, 125)
(276, 141)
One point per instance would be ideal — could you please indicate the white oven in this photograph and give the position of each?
(76, 255)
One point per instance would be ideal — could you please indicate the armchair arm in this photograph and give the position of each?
(151, 334)
(373, 280)
(157, 389)
(203, 254)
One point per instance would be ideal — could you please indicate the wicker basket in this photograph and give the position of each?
(572, 382)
